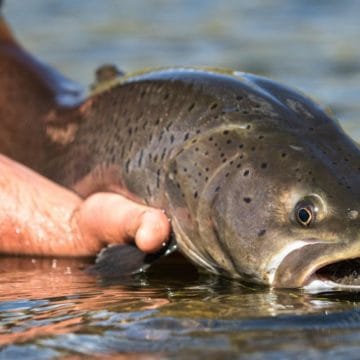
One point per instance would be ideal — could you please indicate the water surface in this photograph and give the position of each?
(52, 308)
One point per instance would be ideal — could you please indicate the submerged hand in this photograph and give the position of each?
(39, 217)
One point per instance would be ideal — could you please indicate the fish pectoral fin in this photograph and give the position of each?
(125, 260)
(119, 260)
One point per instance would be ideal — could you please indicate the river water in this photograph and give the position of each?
(52, 308)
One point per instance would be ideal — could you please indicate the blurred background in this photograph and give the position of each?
(311, 45)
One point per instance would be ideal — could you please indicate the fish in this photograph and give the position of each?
(260, 182)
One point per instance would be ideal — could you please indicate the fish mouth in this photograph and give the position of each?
(339, 274)
(316, 265)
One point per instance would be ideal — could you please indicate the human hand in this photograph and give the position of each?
(39, 217)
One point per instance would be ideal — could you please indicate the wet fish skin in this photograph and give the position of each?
(230, 156)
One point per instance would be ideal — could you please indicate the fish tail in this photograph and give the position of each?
(31, 93)
(6, 34)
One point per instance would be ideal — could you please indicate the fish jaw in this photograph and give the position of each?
(302, 264)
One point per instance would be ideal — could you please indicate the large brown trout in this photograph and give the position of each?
(260, 183)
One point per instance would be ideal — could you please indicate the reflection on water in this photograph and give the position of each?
(51, 308)
(55, 308)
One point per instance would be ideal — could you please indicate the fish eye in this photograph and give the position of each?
(305, 213)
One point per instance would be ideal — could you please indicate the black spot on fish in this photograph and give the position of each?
(241, 146)
(229, 141)
(247, 200)
(155, 158)
(264, 165)
(239, 97)
(140, 157)
(225, 132)
(283, 155)
(191, 107)
(186, 136)
(172, 138)
(246, 172)
(163, 154)
(166, 96)
(158, 178)
(195, 194)
(261, 137)
(261, 232)
(217, 188)
(213, 106)
(161, 135)
(127, 165)
(248, 127)
(210, 138)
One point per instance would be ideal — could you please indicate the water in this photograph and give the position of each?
(51, 309)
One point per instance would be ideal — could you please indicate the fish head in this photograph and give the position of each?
(287, 222)
(273, 199)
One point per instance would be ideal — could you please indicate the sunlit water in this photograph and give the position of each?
(53, 308)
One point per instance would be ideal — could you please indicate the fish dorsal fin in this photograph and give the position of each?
(106, 76)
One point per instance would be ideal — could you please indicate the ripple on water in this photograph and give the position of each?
(161, 315)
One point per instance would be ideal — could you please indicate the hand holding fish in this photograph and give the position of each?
(39, 217)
